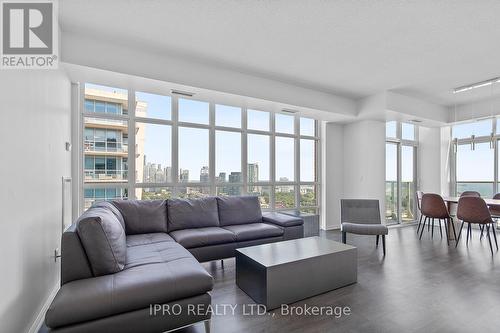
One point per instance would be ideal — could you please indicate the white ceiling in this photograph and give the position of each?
(353, 48)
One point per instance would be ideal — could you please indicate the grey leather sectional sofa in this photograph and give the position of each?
(123, 260)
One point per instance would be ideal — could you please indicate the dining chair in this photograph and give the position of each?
(495, 209)
(419, 195)
(476, 195)
(470, 194)
(474, 210)
(362, 217)
(434, 207)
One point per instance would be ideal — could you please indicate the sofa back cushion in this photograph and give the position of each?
(192, 213)
(103, 239)
(143, 216)
(239, 210)
(113, 209)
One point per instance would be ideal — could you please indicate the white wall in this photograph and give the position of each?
(332, 174)
(429, 159)
(364, 161)
(35, 125)
(353, 166)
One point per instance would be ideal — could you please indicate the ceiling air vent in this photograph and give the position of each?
(416, 121)
(182, 93)
(289, 111)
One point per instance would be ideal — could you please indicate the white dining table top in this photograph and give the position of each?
(487, 200)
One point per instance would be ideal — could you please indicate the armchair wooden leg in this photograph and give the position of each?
(383, 243)
(376, 242)
(344, 236)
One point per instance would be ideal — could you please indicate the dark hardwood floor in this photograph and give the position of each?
(419, 286)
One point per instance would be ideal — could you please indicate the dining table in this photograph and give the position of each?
(453, 201)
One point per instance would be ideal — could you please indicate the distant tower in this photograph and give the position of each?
(253, 172)
(204, 175)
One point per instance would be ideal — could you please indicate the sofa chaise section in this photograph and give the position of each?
(121, 257)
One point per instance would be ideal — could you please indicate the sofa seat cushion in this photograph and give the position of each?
(103, 239)
(143, 216)
(365, 229)
(192, 213)
(197, 237)
(155, 273)
(144, 239)
(244, 232)
(283, 220)
(239, 210)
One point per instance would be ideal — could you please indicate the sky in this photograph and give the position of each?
(194, 142)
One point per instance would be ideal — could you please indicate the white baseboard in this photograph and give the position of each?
(37, 324)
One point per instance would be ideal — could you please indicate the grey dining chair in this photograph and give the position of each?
(362, 217)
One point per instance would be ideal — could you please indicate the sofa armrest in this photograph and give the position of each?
(282, 220)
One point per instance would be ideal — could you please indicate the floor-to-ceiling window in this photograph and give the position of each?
(141, 145)
(400, 178)
(474, 150)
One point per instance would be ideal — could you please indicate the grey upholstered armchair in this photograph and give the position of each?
(362, 217)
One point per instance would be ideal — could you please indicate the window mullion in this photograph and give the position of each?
(131, 144)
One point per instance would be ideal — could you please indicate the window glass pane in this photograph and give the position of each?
(193, 111)
(390, 129)
(89, 105)
(477, 128)
(475, 169)
(89, 162)
(113, 108)
(91, 195)
(228, 155)
(308, 196)
(229, 190)
(307, 160)
(285, 159)
(258, 158)
(153, 153)
(258, 120)
(107, 99)
(407, 131)
(100, 107)
(309, 211)
(154, 193)
(153, 106)
(193, 154)
(407, 184)
(228, 116)
(307, 126)
(391, 183)
(285, 197)
(194, 192)
(264, 194)
(284, 123)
